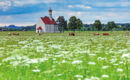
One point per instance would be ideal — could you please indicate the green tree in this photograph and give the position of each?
(62, 22)
(97, 25)
(79, 24)
(72, 23)
(111, 25)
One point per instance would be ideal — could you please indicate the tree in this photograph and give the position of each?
(62, 22)
(111, 25)
(98, 25)
(79, 24)
(72, 23)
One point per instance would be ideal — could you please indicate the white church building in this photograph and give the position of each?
(47, 24)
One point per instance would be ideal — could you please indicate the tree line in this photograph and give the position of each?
(77, 24)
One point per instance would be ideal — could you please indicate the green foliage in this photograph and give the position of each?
(97, 25)
(62, 22)
(111, 25)
(79, 24)
(74, 23)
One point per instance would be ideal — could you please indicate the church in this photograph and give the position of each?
(47, 24)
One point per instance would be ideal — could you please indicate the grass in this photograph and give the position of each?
(57, 56)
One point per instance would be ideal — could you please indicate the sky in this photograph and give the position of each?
(28, 12)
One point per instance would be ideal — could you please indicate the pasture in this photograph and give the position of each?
(57, 56)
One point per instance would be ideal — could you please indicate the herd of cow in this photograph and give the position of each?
(15, 34)
(97, 34)
(71, 34)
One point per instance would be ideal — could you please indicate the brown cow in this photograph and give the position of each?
(71, 34)
(9, 34)
(105, 34)
(16, 34)
(127, 33)
(96, 34)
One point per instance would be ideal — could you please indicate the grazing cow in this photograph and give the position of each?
(127, 33)
(16, 34)
(96, 34)
(105, 34)
(9, 34)
(71, 34)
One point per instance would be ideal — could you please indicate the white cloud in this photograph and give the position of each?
(79, 6)
(86, 17)
(27, 2)
(5, 4)
(112, 4)
(90, 17)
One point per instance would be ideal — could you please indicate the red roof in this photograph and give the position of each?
(47, 20)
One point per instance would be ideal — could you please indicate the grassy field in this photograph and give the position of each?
(57, 56)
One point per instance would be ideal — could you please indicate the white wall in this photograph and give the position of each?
(51, 28)
(40, 23)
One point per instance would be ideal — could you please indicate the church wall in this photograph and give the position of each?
(50, 28)
(40, 23)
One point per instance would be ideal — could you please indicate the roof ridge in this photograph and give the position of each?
(47, 20)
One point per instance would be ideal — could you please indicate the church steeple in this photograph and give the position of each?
(50, 13)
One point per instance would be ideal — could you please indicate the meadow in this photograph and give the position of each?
(57, 56)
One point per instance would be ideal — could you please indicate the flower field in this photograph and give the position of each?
(57, 56)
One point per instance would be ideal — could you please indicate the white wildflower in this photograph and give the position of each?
(91, 63)
(40, 49)
(78, 76)
(126, 55)
(22, 42)
(2, 48)
(60, 55)
(105, 67)
(56, 46)
(116, 64)
(63, 61)
(113, 60)
(77, 62)
(101, 58)
(92, 54)
(92, 78)
(121, 62)
(54, 59)
(36, 40)
(105, 76)
(36, 70)
(59, 74)
(119, 70)
(32, 61)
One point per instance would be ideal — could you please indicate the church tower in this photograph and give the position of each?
(50, 13)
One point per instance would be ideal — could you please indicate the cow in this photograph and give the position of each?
(96, 34)
(9, 34)
(105, 34)
(127, 33)
(71, 34)
(16, 34)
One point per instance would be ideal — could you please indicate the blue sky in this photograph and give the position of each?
(28, 12)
